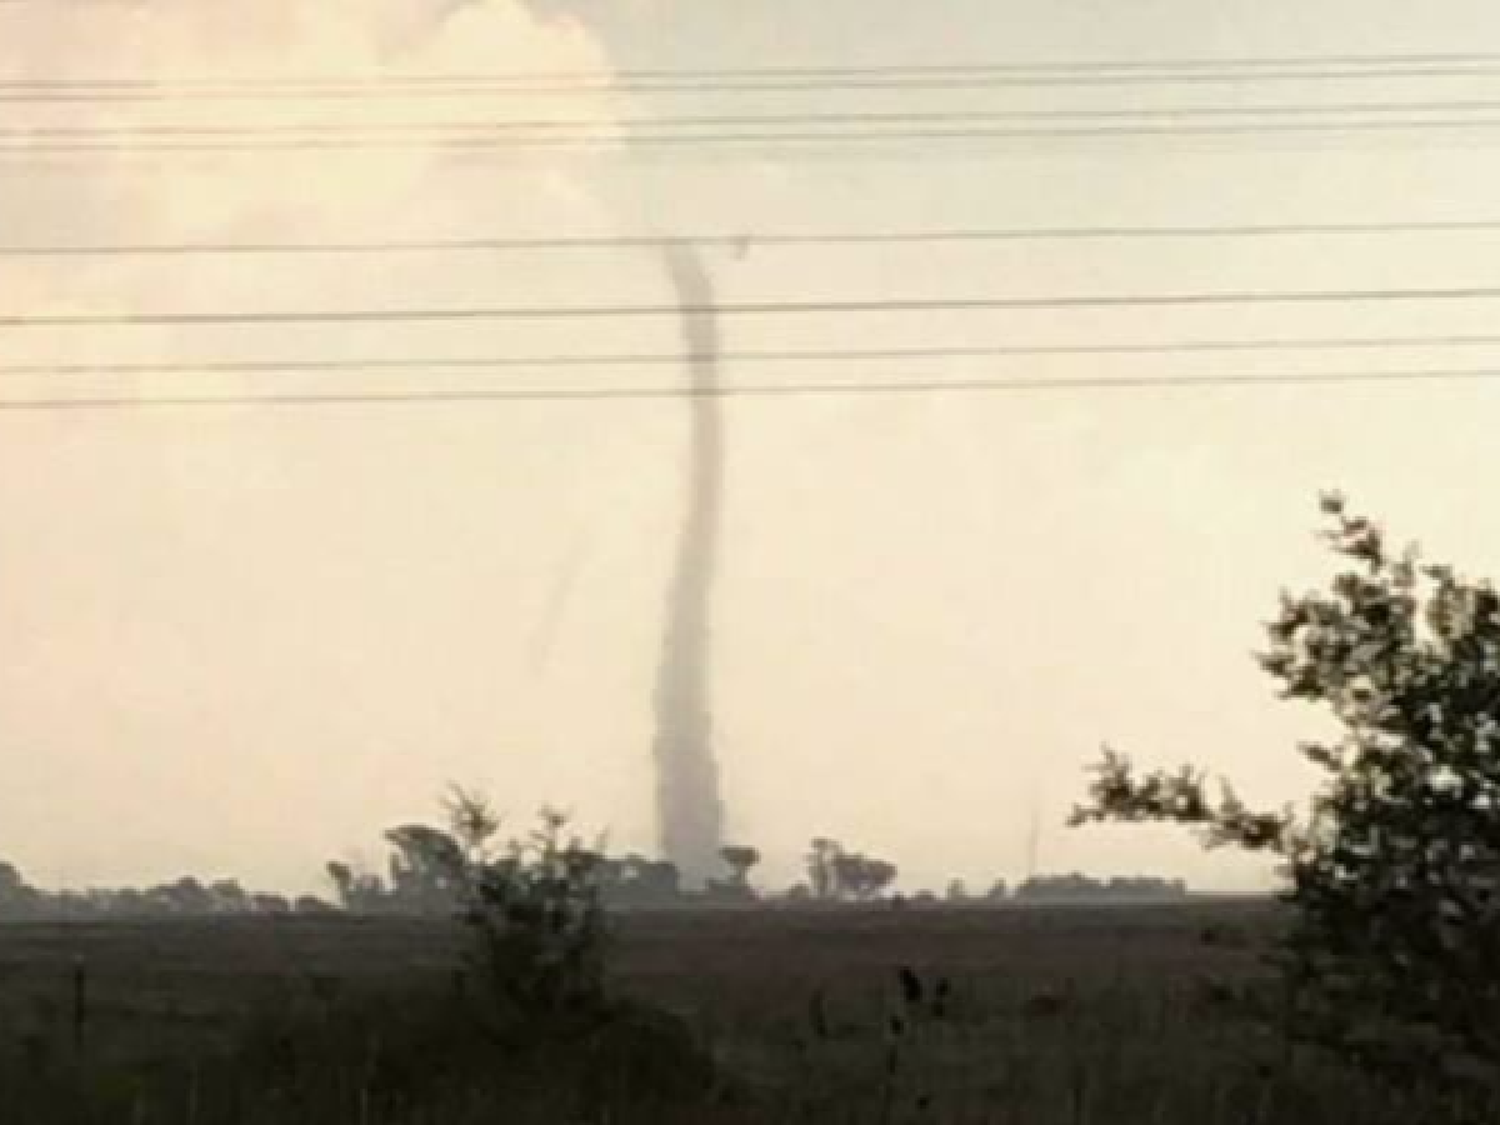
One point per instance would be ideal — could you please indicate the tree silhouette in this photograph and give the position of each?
(838, 875)
(637, 881)
(739, 859)
(359, 892)
(861, 878)
(425, 869)
(473, 821)
(1077, 887)
(538, 920)
(1395, 948)
(186, 896)
(16, 898)
(229, 897)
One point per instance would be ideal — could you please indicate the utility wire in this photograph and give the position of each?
(787, 390)
(437, 87)
(605, 140)
(1171, 347)
(850, 238)
(592, 127)
(748, 308)
(677, 74)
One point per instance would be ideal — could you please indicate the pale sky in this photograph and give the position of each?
(243, 641)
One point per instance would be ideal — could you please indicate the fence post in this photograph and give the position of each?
(80, 1002)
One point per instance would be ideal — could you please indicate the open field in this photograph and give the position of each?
(1034, 1015)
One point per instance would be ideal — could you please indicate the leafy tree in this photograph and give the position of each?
(739, 859)
(1391, 873)
(427, 868)
(1072, 887)
(637, 881)
(11, 882)
(861, 878)
(838, 875)
(186, 896)
(229, 897)
(359, 892)
(877, 877)
(16, 898)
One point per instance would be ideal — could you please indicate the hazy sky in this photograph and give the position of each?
(243, 641)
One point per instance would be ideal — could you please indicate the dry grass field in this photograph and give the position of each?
(1034, 1015)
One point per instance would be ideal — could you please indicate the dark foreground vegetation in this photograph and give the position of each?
(1034, 1015)
(1391, 869)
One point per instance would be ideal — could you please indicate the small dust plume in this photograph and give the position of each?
(545, 638)
(689, 806)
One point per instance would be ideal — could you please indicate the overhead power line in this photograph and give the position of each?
(603, 140)
(748, 308)
(894, 79)
(687, 74)
(478, 127)
(755, 239)
(1171, 65)
(637, 359)
(785, 390)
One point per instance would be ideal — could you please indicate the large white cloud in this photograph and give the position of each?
(185, 44)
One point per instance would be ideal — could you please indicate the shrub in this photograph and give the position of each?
(1394, 952)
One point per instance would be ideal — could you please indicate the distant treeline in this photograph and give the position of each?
(1082, 888)
(418, 880)
(185, 896)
